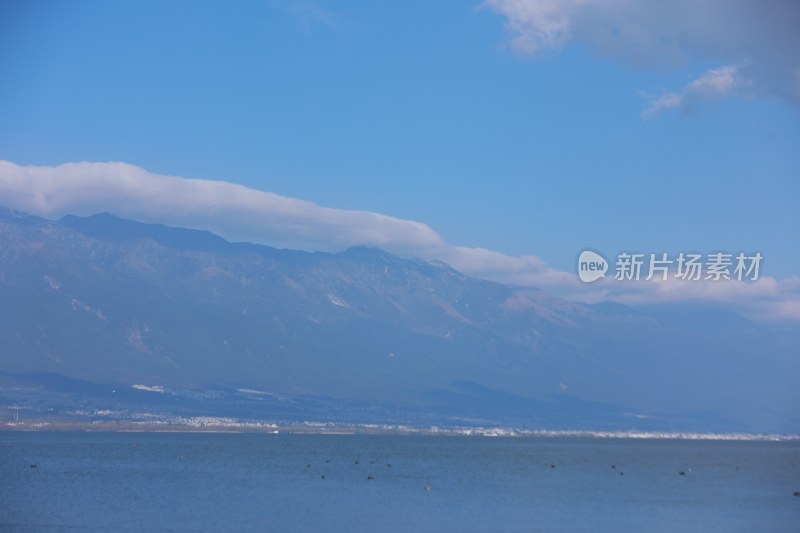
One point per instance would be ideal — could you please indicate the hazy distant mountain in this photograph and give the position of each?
(112, 301)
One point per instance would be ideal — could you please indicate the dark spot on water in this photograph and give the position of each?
(797, 493)
(613, 466)
(389, 465)
(308, 465)
(356, 461)
(681, 473)
(327, 460)
(322, 476)
(370, 477)
(426, 487)
(33, 466)
(552, 466)
(621, 473)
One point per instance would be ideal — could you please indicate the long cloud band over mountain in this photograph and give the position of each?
(240, 213)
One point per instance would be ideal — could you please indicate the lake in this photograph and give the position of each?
(207, 481)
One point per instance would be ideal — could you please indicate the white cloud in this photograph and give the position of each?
(537, 26)
(760, 36)
(232, 210)
(713, 84)
(240, 213)
(767, 300)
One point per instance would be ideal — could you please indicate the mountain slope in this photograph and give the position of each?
(108, 300)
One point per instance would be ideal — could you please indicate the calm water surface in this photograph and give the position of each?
(240, 482)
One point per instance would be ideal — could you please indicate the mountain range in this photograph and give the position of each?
(109, 303)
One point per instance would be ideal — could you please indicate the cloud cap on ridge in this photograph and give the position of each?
(240, 213)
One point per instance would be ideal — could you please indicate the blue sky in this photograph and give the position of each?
(478, 120)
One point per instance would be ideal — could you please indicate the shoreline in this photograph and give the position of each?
(323, 428)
